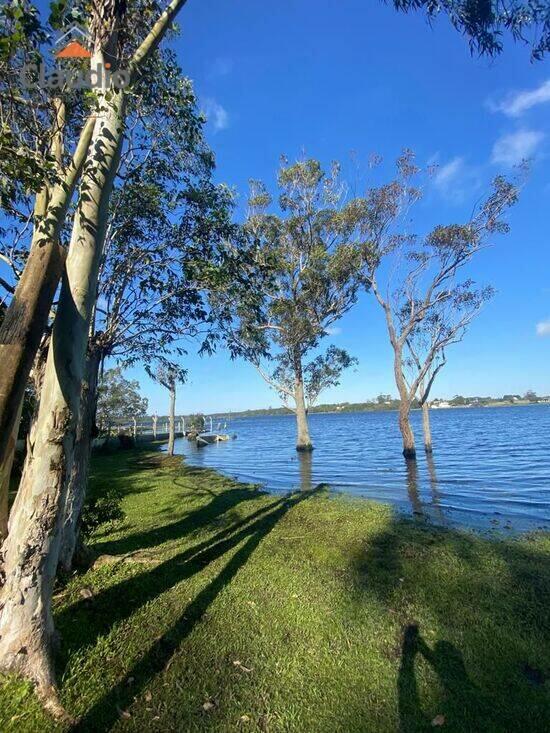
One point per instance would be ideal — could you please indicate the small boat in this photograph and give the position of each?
(212, 436)
(206, 438)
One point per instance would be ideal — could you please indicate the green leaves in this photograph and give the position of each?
(313, 256)
(483, 22)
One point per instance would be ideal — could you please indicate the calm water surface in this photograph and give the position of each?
(490, 469)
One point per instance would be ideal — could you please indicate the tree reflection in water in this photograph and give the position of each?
(305, 460)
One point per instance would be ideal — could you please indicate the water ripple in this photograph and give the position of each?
(491, 464)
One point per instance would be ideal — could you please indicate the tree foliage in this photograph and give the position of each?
(426, 304)
(484, 22)
(118, 398)
(312, 251)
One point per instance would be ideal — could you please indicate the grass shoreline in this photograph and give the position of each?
(215, 606)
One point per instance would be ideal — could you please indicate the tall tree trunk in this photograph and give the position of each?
(22, 329)
(409, 450)
(426, 427)
(172, 419)
(36, 377)
(5, 475)
(6, 461)
(27, 315)
(76, 490)
(31, 552)
(303, 441)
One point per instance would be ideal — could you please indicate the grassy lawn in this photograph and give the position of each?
(222, 608)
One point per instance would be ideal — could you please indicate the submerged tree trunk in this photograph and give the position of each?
(172, 419)
(426, 427)
(409, 450)
(303, 442)
(31, 552)
(76, 490)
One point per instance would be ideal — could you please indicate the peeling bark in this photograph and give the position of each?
(27, 315)
(31, 552)
(22, 330)
(76, 490)
(5, 475)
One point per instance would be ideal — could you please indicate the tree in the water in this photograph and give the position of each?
(416, 281)
(485, 22)
(313, 257)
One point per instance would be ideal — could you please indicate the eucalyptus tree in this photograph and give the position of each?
(38, 171)
(118, 398)
(313, 254)
(416, 281)
(169, 374)
(31, 550)
(484, 22)
(169, 242)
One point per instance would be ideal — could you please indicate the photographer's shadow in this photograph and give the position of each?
(459, 691)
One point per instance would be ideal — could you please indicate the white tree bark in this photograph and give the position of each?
(76, 490)
(31, 551)
(427, 428)
(303, 440)
(172, 419)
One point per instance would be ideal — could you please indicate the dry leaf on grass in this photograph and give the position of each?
(438, 721)
(241, 666)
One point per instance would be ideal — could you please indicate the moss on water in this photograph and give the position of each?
(222, 608)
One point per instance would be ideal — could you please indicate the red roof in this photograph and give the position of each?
(74, 50)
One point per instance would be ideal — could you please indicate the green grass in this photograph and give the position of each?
(226, 609)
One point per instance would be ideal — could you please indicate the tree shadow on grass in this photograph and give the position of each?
(126, 597)
(201, 517)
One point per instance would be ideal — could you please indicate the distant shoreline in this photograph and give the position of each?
(350, 408)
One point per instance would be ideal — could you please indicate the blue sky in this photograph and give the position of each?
(341, 81)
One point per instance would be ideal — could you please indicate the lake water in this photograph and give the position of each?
(490, 468)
